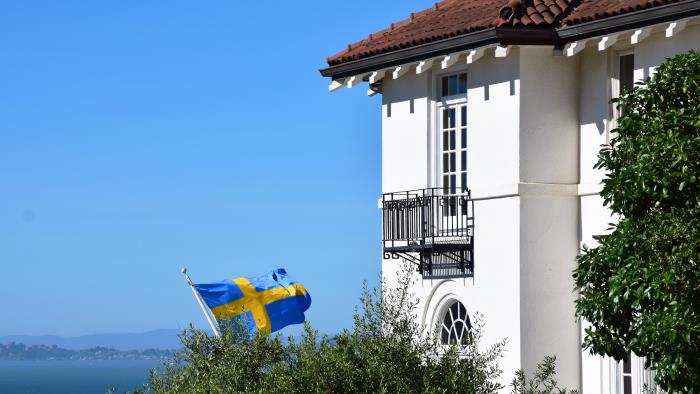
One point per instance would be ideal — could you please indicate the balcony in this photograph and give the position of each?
(432, 228)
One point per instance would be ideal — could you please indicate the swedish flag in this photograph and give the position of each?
(267, 303)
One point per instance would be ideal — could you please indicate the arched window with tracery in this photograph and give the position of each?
(455, 325)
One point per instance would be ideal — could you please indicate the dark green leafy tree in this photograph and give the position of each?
(385, 352)
(640, 288)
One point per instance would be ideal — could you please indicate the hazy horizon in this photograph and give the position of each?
(155, 339)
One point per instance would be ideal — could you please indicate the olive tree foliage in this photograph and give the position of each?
(544, 381)
(386, 351)
(640, 288)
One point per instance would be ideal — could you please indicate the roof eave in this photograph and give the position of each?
(516, 36)
(414, 53)
(500, 35)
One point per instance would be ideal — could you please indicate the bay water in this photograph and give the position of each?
(73, 376)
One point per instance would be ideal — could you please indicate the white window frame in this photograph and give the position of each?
(438, 104)
(614, 92)
(639, 376)
(445, 310)
(621, 375)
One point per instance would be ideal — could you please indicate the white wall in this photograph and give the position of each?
(405, 134)
(493, 121)
(549, 210)
(494, 289)
(548, 116)
(597, 68)
(548, 248)
(535, 125)
(593, 111)
(654, 50)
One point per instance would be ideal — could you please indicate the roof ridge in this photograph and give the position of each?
(534, 12)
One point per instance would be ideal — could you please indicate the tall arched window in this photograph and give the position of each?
(455, 325)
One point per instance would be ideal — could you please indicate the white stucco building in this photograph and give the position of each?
(493, 113)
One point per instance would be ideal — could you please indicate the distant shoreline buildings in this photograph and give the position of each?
(13, 351)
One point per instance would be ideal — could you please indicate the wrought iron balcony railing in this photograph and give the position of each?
(432, 228)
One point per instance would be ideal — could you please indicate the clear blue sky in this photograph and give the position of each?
(137, 137)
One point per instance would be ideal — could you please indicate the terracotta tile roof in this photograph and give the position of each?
(532, 13)
(447, 19)
(591, 10)
(452, 18)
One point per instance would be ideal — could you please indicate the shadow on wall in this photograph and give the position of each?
(482, 74)
(446, 268)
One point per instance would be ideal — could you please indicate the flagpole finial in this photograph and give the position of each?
(183, 270)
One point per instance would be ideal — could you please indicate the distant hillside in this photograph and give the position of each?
(157, 339)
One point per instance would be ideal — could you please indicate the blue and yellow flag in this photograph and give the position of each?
(267, 303)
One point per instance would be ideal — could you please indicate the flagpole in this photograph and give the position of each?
(200, 301)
